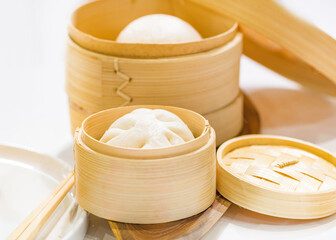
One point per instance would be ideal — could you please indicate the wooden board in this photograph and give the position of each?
(190, 228)
(252, 123)
(194, 227)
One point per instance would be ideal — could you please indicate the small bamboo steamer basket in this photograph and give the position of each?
(145, 185)
(202, 76)
(263, 198)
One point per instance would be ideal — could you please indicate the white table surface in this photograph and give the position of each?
(34, 111)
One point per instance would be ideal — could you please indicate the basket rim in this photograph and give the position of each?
(78, 141)
(236, 40)
(251, 137)
(90, 42)
(139, 153)
(73, 30)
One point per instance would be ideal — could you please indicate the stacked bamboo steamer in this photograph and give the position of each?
(202, 76)
(145, 185)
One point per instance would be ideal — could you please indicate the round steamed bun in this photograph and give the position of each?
(147, 128)
(158, 28)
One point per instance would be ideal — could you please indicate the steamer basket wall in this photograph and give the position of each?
(145, 185)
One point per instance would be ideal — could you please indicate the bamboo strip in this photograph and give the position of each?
(306, 42)
(148, 186)
(253, 173)
(32, 224)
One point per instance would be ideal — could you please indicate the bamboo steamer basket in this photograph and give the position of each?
(202, 76)
(264, 174)
(145, 185)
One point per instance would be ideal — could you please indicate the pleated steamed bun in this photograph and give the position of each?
(158, 28)
(147, 128)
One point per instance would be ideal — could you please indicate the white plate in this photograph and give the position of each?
(26, 179)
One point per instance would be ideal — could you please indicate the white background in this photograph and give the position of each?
(34, 111)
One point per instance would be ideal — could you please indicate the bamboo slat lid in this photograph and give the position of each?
(277, 176)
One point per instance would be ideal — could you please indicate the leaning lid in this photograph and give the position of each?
(277, 176)
(282, 42)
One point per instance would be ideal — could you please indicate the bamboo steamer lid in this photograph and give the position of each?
(145, 185)
(281, 41)
(277, 176)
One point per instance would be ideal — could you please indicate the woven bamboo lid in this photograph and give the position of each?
(281, 41)
(277, 176)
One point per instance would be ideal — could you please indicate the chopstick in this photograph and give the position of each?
(32, 224)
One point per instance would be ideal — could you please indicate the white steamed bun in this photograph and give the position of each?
(147, 128)
(158, 28)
